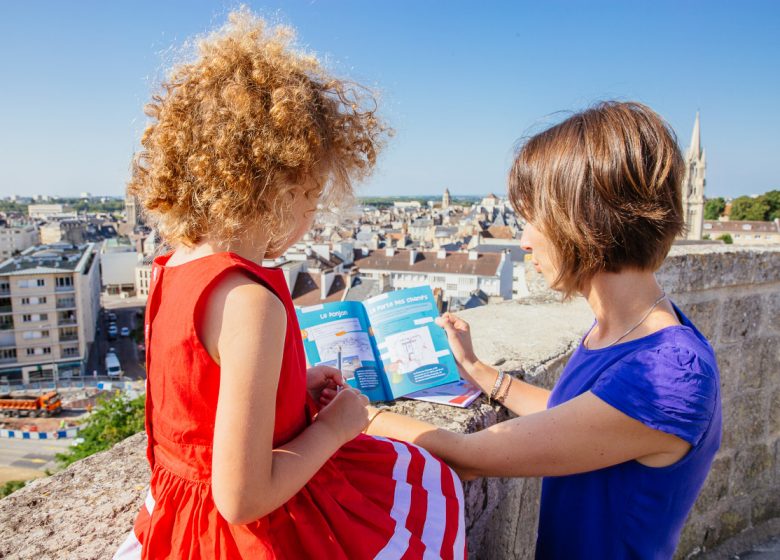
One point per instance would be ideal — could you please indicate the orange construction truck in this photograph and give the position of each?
(48, 404)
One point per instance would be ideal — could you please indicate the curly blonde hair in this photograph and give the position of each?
(235, 132)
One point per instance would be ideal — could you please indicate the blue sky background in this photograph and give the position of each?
(461, 82)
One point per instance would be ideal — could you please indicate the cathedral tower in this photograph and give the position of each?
(693, 184)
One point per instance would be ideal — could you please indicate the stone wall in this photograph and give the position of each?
(733, 295)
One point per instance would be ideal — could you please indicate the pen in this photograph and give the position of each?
(338, 366)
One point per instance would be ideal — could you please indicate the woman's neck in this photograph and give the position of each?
(620, 301)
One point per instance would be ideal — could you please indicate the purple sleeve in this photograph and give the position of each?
(668, 388)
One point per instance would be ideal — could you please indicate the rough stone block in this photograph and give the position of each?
(716, 487)
(772, 313)
(727, 524)
(704, 315)
(765, 506)
(691, 539)
(774, 412)
(760, 359)
(731, 367)
(89, 508)
(740, 318)
(752, 472)
(743, 421)
(777, 463)
(511, 529)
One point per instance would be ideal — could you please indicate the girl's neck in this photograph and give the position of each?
(250, 247)
(620, 300)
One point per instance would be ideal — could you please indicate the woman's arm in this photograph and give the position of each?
(522, 398)
(581, 435)
(246, 324)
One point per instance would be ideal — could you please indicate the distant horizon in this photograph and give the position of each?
(357, 195)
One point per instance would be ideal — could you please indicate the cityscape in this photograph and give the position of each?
(76, 267)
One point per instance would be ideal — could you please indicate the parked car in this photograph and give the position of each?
(113, 368)
(112, 332)
(124, 331)
(112, 317)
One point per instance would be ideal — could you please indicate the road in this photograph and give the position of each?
(127, 312)
(18, 457)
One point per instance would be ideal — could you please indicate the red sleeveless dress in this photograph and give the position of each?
(375, 498)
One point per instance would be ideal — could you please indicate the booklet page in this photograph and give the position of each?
(414, 350)
(338, 335)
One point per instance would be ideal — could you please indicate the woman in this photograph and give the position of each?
(628, 434)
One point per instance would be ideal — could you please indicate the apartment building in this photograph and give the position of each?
(745, 232)
(457, 275)
(16, 238)
(49, 303)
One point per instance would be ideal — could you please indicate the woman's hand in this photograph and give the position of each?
(322, 383)
(346, 415)
(459, 336)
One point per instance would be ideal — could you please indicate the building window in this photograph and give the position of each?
(25, 301)
(43, 317)
(64, 281)
(40, 282)
(31, 351)
(8, 354)
(26, 318)
(5, 287)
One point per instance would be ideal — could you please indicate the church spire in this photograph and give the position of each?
(695, 150)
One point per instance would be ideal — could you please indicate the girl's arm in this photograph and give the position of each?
(581, 435)
(522, 399)
(244, 329)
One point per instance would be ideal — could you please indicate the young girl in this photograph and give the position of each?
(251, 455)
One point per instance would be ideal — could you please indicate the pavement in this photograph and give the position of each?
(23, 459)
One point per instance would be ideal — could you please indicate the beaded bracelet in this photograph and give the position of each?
(502, 397)
(496, 385)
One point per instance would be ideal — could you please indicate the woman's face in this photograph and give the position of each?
(542, 253)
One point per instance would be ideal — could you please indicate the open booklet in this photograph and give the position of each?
(387, 346)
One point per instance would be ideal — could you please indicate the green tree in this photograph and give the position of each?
(112, 421)
(714, 207)
(773, 198)
(747, 208)
(726, 238)
(10, 487)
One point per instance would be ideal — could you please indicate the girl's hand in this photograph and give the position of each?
(346, 414)
(459, 336)
(322, 383)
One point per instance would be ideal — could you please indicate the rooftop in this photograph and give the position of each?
(46, 259)
(453, 263)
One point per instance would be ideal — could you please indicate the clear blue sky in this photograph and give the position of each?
(461, 82)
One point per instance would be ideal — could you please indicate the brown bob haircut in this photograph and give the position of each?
(604, 187)
(238, 130)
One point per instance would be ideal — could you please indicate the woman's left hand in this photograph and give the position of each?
(323, 382)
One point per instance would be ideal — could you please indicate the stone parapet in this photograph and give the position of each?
(732, 295)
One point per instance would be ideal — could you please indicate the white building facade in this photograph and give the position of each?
(17, 238)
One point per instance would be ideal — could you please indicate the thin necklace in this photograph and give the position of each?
(642, 320)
